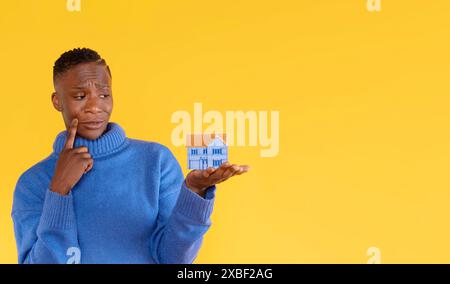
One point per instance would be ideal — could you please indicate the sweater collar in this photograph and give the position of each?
(111, 141)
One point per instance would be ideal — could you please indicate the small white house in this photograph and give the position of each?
(208, 150)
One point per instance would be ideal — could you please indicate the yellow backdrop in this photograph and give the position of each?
(363, 100)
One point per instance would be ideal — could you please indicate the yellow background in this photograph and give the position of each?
(364, 114)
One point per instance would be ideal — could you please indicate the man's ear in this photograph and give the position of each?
(56, 102)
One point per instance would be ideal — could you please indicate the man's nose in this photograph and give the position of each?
(93, 103)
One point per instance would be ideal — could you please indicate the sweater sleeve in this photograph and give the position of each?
(183, 218)
(44, 226)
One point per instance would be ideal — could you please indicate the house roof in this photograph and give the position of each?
(203, 140)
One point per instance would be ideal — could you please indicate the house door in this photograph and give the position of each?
(203, 163)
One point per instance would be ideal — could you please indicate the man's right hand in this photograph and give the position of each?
(71, 165)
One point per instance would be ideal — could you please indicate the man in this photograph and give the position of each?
(101, 197)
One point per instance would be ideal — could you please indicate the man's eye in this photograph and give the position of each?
(104, 95)
(79, 97)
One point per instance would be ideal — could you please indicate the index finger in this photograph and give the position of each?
(72, 133)
(243, 169)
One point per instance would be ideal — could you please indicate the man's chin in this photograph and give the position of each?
(90, 134)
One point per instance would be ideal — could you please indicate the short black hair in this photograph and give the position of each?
(71, 58)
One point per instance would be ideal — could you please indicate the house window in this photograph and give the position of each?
(194, 151)
(217, 151)
(216, 163)
(205, 151)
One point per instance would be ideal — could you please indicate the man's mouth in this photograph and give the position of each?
(92, 124)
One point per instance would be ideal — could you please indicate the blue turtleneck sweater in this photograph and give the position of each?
(132, 207)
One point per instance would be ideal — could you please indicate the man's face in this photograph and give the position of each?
(84, 92)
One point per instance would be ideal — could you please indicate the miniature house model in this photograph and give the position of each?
(208, 150)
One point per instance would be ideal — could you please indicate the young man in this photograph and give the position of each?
(101, 197)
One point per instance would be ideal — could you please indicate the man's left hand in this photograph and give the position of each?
(199, 180)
